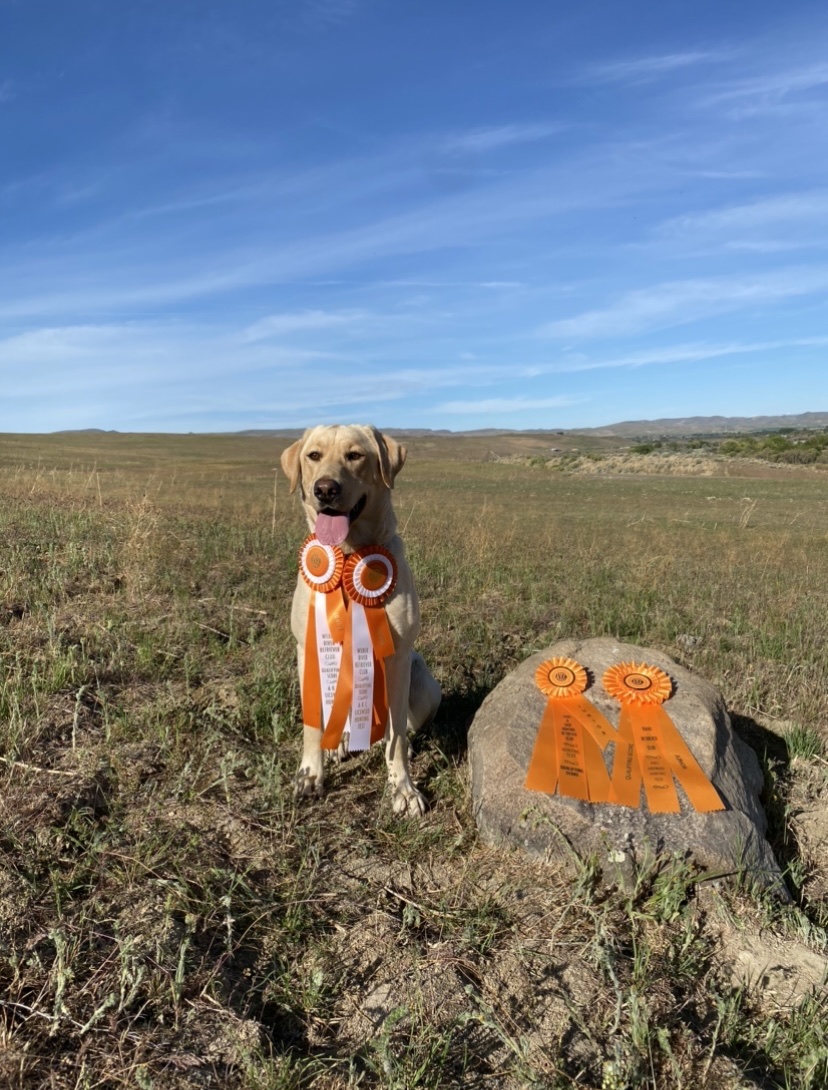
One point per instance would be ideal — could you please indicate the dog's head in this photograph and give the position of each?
(345, 474)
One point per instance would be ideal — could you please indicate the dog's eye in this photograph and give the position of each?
(314, 455)
(354, 455)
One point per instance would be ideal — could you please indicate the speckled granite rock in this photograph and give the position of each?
(502, 737)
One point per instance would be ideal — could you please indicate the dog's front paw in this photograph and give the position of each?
(407, 801)
(338, 755)
(309, 784)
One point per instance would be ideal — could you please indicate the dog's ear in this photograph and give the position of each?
(391, 456)
(291, 465)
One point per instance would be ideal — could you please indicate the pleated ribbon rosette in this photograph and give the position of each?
(572, 735)
(650, 748)
(347, 640)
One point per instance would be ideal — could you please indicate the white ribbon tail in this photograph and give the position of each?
(330, 655)
(363, 698)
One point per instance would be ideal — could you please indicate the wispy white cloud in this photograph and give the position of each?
(277, 325)
(815, 241)
(505, 405)
(79, 194)
(331, 12)
(59, 343)
(482, 140)
(186, 373)
(683, 301)
(808, 207)
(7, 92)
(773, 85)
(492, 285)
(84, 358)
(681, 353)
(730, 175)
(429, 227)
(641, 69)
(783, 92)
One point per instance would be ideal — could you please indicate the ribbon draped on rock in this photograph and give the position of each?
(572, 735)
(347, 640)
(650, 748)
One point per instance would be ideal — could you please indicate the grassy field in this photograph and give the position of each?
(170, 919)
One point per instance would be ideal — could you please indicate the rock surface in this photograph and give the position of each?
(502, 738)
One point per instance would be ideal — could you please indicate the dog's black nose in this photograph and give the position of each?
(327, 490)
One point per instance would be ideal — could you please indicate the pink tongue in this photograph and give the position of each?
(331, 529)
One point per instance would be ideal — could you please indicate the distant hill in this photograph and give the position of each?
(627, 429)
(294, 433)
(705, 425)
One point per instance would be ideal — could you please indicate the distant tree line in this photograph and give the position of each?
(799, 449)
(782, 445)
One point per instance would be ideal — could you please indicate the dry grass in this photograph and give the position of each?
(673, 463)
(169, 918)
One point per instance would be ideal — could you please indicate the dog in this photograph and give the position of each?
(345, 474)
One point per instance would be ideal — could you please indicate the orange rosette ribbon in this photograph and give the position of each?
(370, 576)
(360, 703)
(567, 756)
(321, 567)
(650, 748)
(347, 641)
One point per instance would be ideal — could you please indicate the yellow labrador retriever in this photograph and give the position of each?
(345, 475)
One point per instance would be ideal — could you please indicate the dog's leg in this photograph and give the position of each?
(425, 695)
(310, 778)
(405, 798)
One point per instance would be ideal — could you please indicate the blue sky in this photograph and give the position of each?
(220, 215)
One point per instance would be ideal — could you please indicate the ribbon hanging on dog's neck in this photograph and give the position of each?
(568, 749)
(651, 749)
(347, 641)
(321, 567)
(368, 579)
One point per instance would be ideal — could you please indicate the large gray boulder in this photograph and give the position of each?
(502, 737)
